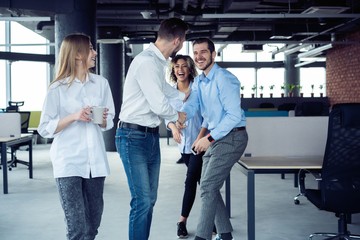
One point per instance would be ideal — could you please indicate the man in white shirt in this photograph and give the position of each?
(145, 103)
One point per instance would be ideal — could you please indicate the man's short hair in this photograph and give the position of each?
(172, 28)
(211, 45)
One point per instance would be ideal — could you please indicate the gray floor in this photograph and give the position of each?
(31, 210)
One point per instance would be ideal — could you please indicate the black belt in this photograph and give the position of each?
(238, 129)
(139, 127)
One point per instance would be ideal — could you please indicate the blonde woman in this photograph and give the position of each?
(78, 152)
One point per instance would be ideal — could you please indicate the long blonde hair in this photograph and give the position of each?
(72, 46)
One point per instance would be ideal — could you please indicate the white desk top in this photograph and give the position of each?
(7, 139)
(308, 162)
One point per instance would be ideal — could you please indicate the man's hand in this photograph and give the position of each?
(202, 144)
(181, 117)
(175, 132)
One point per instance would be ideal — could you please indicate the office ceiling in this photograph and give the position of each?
(251, 22)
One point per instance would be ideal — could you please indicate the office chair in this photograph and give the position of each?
(311, 109)
(14, 106)
(287, 106)
(266, 105)
(339, 179)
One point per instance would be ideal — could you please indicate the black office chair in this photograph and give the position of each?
(311, 109)
(287, 106)
(13, 106)
(339, 180)
(266, 105)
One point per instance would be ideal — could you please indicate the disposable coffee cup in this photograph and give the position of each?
(97, 114)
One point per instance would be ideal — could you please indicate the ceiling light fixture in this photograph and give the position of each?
(315, 51)
(279, 15)
(146, 14)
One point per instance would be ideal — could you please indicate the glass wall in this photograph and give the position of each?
(2, 67)
(312, 81)
(29, 80)
(2, 84)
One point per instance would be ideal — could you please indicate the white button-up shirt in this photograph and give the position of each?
(79, 148)
(146, 92)
(193, 127)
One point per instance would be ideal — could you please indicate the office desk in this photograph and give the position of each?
(11, 141)
(270, 165)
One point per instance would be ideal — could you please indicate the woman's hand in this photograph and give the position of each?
(83, 115)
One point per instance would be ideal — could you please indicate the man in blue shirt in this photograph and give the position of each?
(216, 92)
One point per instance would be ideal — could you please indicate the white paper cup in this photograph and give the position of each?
(97, 114)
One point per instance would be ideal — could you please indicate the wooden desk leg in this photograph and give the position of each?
(228, 195)
(251, 204)
(4, 166)
(30, 159)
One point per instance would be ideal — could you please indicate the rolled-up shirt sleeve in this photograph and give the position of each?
(50, 115)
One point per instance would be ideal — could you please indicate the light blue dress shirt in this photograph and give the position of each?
(218, 98)
(193, 127)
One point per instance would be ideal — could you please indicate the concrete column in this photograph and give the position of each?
(81, 20)
(112, 67)
(292, 73)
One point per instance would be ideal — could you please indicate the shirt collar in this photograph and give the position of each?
(202, 76)
(157, 52)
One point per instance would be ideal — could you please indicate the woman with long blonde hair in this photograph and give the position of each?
(78, 152)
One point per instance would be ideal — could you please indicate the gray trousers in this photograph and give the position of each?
(82, 202)
(218, 161)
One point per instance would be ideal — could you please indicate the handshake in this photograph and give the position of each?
(180, 123)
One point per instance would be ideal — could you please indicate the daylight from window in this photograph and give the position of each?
(30, 80)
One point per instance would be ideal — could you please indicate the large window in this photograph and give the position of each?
(29, 84)
(29, 80)
(312, 81)
(2, 84)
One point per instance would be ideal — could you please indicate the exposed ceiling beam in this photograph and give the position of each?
(279, 15)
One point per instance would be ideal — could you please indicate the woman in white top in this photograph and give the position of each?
(182, 73)
(78, 151)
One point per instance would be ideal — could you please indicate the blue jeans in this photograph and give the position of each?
(140, 155)
(83, 205)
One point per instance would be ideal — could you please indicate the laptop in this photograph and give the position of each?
(10, 125)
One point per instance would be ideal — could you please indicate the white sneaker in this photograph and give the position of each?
(217, 237)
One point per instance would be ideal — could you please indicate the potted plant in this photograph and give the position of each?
(261, 91)
(321, 93)
(271, 90)
(254, 89)
(242, 91)
(283, 90)
(291, 89)
(312, 90)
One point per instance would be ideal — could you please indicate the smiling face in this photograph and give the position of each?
(91, 59)
(181, 70)
(204, 59)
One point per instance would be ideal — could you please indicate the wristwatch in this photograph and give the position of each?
(210, 138)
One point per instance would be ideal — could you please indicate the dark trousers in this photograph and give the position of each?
(193, 174)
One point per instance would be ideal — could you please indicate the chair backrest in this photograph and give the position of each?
(340, 185)
(25, 119)
(14, 106)
(266, 105)
(286, 106)
(311, 109)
